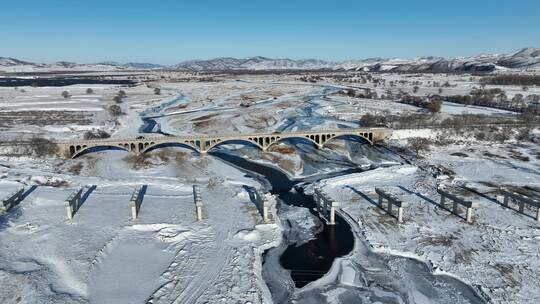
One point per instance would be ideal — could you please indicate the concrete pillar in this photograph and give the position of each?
(521, 206)
(197, 198)
(381, 202)
(69, 210)
(400, 214)
(469, 215)
(443, 205)
(199, 212)
(333, 207)
(389, 207)
(455, 208)
(265, 212)
(538, 214)
(133, 206)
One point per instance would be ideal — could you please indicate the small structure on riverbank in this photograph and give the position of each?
(11, 200)
(262, 205)
(197, 199)
(521, 200)
(73, 202)
(135, 202)
(456, 202)
(392, 201)
(325, 206)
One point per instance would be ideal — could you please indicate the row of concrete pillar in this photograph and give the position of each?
(521, 200)
(456, 202)
(392, 201)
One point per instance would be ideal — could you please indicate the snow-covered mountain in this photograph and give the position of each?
(14, 65)
(253, 63)
(528, 58)
(524, 59)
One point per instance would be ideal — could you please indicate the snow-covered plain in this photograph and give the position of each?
(168, 257)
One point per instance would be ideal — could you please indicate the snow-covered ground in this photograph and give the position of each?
(103, 257)
(498, 253)
(168, 257)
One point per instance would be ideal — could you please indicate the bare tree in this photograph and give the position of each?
(418, 144)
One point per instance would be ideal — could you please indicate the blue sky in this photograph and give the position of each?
(168, 31)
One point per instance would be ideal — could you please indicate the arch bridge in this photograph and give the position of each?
(203, 143)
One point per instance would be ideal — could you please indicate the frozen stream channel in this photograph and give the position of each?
(363, 275)
(317, 263)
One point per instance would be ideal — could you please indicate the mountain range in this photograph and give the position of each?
(523, 59)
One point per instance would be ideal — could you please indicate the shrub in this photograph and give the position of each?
(418, 144)
(89, 91)
(96, 134)
(434, 106)
(117, 99)
(42, 147)
(157, 91)
(122, 94)
(66, 94)
(115, 110)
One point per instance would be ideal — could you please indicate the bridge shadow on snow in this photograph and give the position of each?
(84, 197)
(427, 199)
(493, 200)
(27, 193)
(434, 203)
(363, 195)
(142, 193)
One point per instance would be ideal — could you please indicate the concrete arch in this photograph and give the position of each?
(81, 150)
(282, 138)
(154, 146)
(361, 136)
(240, 140)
